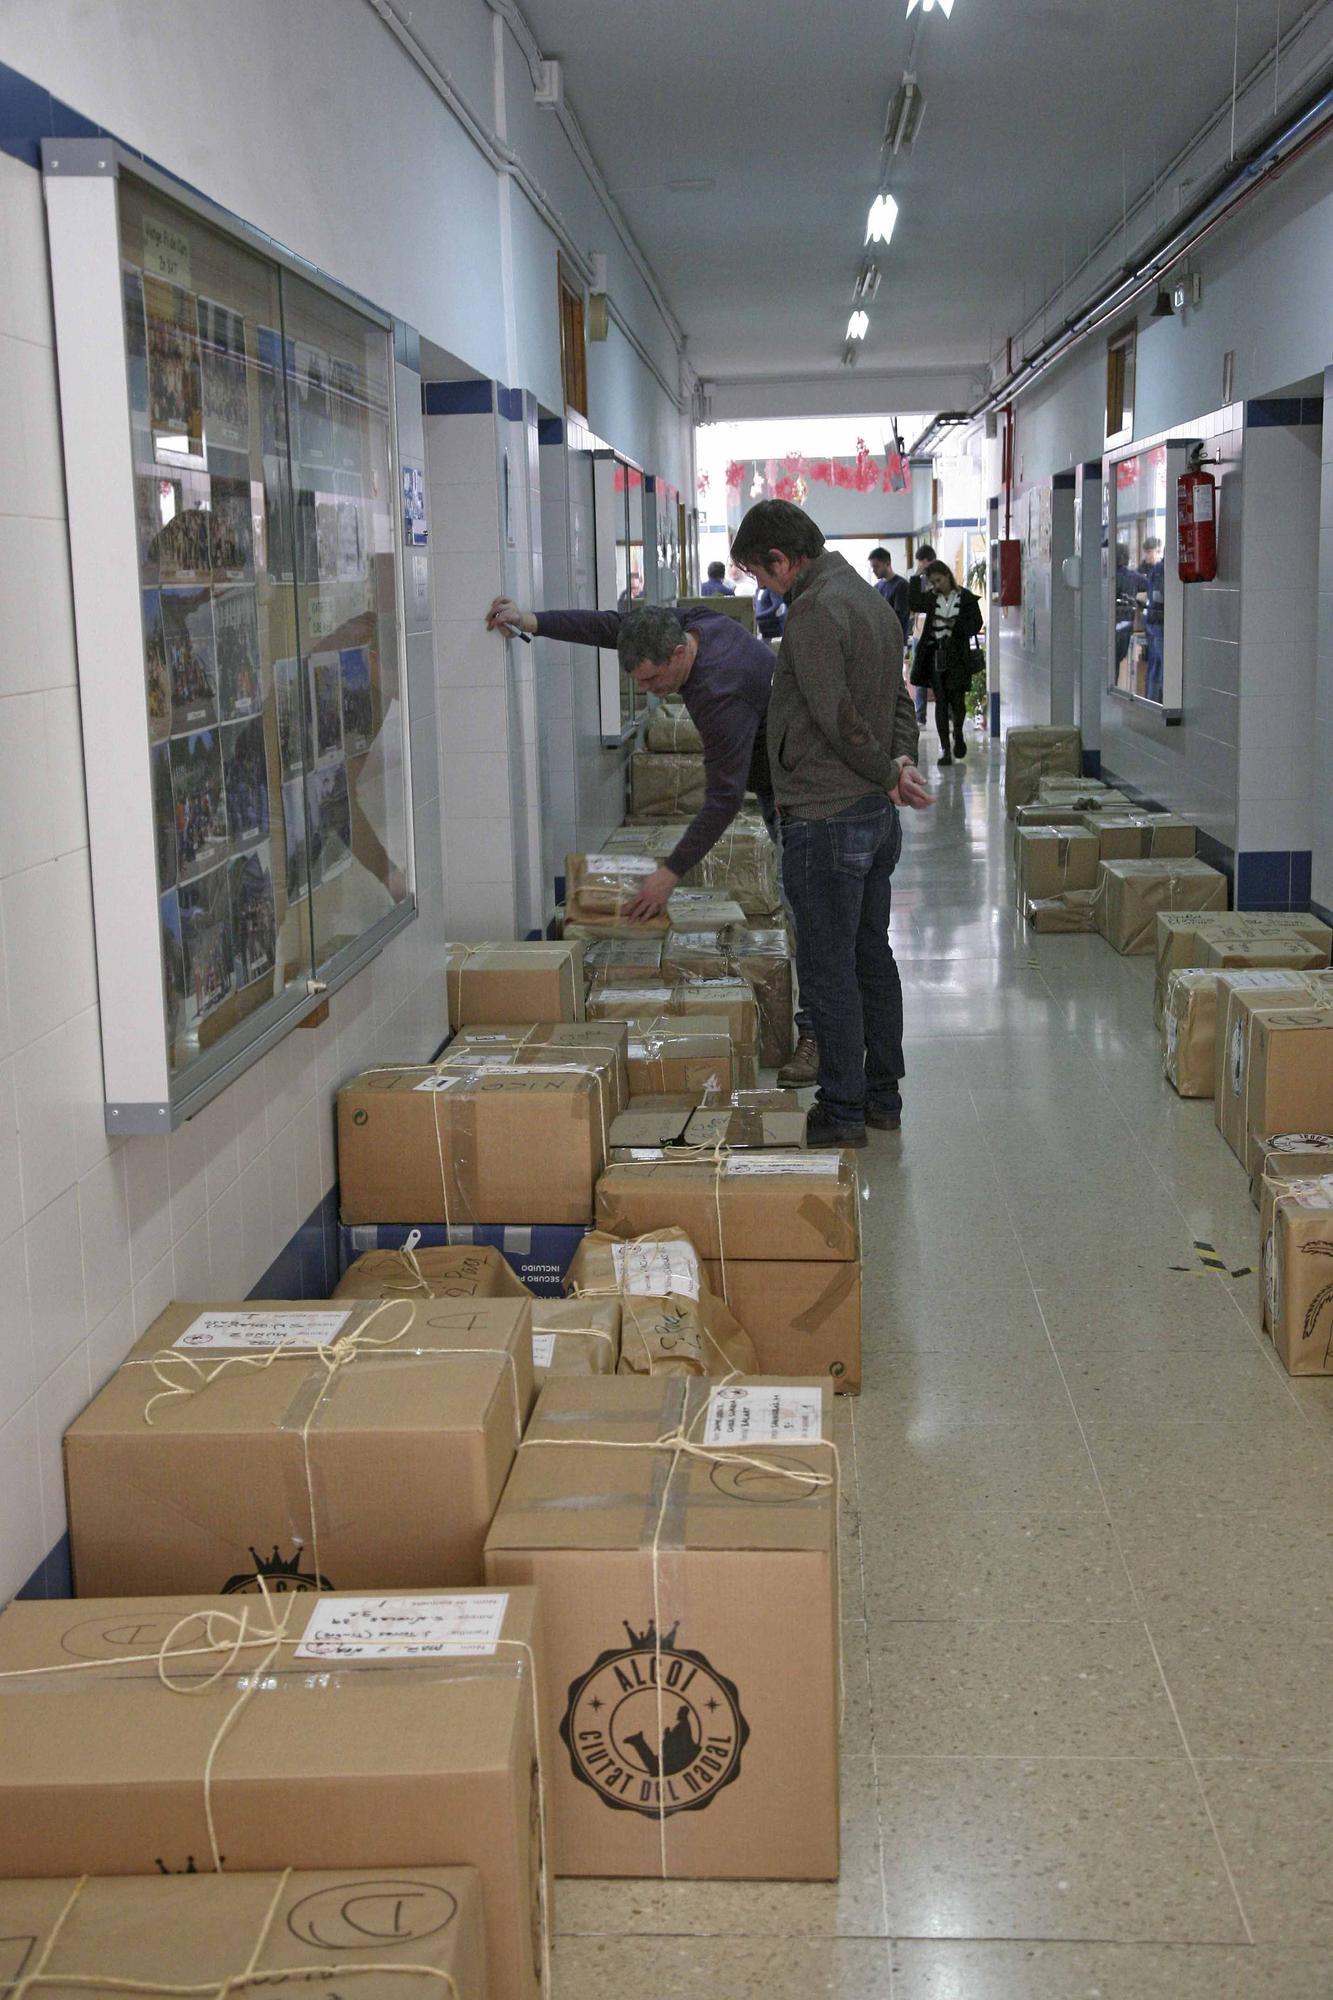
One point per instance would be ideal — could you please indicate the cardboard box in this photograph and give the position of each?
(1294, 1156)
(361, 1753)
(599, 888)
(1137, 836)
(539, 981)
(763, 957)
(1038, 814)
(461, 1145)
(574, 1337)
(1052, 859)
(434, 1271)
(1238, 1009)
(203, 1932)
(670, 1321)
(1133, 892)
(747, 1651)
(653, 1125)
(1032, 754)
(798, 1207)
(1180, 935)
(1196, 1001)
(1290, 1080)
(598, 1045)
(1073, 912)
(1298, 1276)
(629, 960)
(538, 1257)
(685, 999)
(672, 729)
(672, 1055)
(1295, 953)
(381, 1470)
(669, 786)
(743, 864)
(804, 1319)
(703, 910)
(1086, 797)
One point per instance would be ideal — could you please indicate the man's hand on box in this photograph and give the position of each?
(653, 896)
(506, 616)
(910, 789)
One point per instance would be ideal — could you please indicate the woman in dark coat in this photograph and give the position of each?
(953, 623)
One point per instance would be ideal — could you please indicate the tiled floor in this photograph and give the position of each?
(1088, 1547)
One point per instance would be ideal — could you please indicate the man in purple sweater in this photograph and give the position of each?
(724, 677)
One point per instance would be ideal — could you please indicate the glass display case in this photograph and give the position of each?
(1144, 595)
(260, 733)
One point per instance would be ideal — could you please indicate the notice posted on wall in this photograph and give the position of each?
(264, 1330)
(440, 1626)
(747, 1413)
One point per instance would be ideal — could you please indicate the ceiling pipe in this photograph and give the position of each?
(1266, 159)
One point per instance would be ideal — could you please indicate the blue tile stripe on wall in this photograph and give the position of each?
(550, 430)
(458, 399)
(1268, 412)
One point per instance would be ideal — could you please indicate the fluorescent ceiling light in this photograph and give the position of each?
(858, 326)
(945, 7)
(902, 121)
(879, 223)
(867, 279)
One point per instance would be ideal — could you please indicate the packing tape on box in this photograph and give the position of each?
(676, 1441)
(829, 1299)
(658, 1317)
(661, 1040)
(251, 1974)
(229, 1634)
(333, 1360)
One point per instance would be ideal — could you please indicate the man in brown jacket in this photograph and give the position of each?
(842, 743)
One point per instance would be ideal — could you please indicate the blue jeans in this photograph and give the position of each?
(919, 703)
(1153, 679)
(838, 874)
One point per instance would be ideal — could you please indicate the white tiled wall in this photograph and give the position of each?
(96, 1235)
(1321, 828)
(1278, 619)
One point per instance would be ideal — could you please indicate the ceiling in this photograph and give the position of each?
(1035, 109)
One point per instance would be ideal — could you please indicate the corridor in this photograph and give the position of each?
(1087, 1557)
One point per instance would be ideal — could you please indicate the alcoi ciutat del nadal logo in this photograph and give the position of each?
(650, 1752)
(276, 1573)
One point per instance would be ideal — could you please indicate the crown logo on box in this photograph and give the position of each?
(649, 1638)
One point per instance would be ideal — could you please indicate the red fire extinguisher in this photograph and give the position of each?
(1196, 524)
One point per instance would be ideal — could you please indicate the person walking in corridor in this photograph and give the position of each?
(842, 743)
(954, 622)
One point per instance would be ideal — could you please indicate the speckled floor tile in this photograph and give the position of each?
(949, 1391)
(1019, 1688)
(779, 1967)
(1002, 1562)
(1205, 1566)
(1234, 1385)
(1273, 1820)
(1056, 1848)
(1266, 1463)
(1106, 1972)
(1242, 1686)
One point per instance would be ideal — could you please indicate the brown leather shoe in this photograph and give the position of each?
(802, 1067)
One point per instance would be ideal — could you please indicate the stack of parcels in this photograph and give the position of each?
(665, 785)
(1275, 1066)
(670, 1321)
(1196, 1001)
(686, 1056)
(564, 1340)
(489, 1134)
(514, 982)
(372, 1928)
(1082, 795)
(1298, 1275)
(1033, 754)
(763, 957)
(537, 1256)
(1141, 836)
(389, 1734)
(671, 728)
(646, 1007)
(629, 961)
(1241, 937)
(364, 1442)
(1131, 893)
(1291, 1156)
(743, 864)
(747, 1121)
(1049, 860)
(690, 1620)
(599, 888)
(781, 1242)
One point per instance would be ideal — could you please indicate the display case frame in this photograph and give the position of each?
(1174, 461)
(146, 1090)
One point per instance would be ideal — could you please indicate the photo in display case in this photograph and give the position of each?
(263, 476)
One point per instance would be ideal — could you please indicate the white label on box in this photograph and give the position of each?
(437, 1082)
(264, 1329)
(786, 1163)
(744, 1413)
(1237, 1058)
(439, 1627)
(618, 864)
(483, 1059)
(474, 1040)
(543, 1350)
(651, 1270)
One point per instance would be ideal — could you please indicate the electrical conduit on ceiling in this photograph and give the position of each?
(504, 160)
